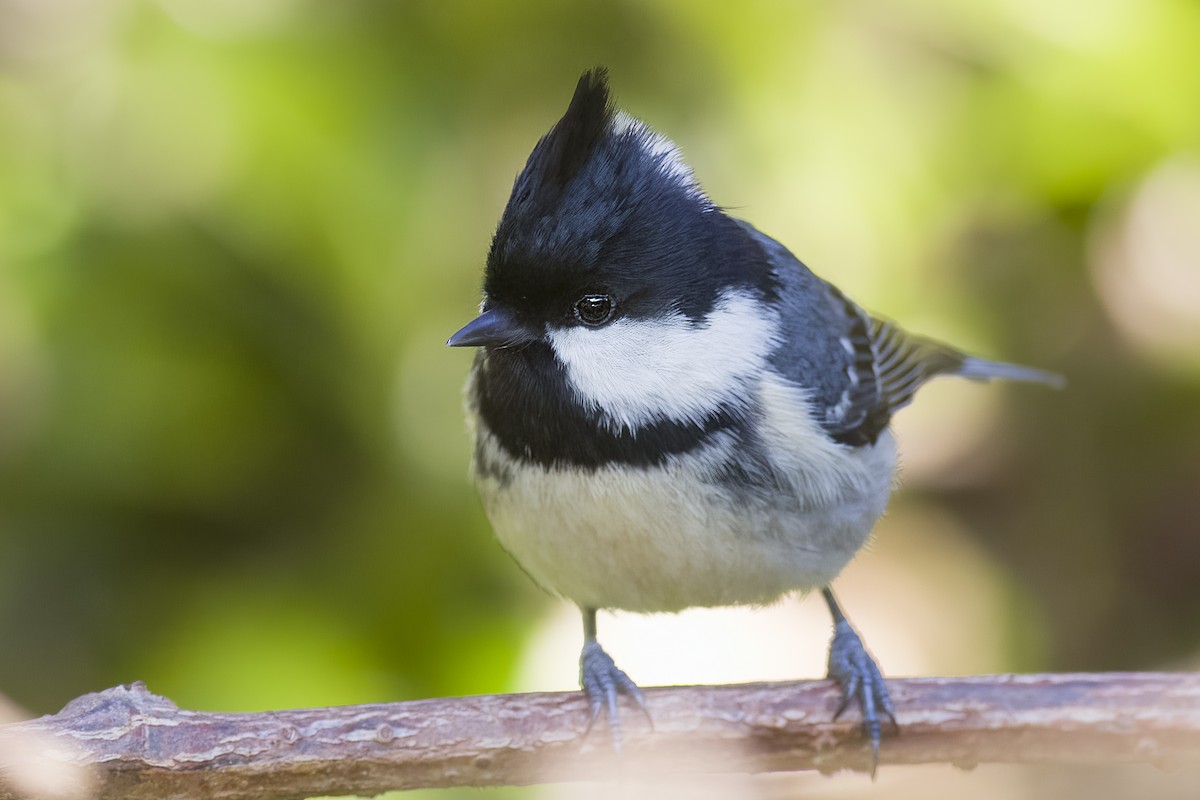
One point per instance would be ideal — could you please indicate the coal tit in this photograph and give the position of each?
(669, 409)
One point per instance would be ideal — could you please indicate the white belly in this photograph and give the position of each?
(666, 538)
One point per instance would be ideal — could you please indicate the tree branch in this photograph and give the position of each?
(140, 745)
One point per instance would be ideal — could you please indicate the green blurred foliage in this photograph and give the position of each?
(233, 238)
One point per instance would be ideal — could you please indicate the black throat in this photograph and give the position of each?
(523, 398)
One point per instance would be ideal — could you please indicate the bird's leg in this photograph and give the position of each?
(603, 681)
(854, 670)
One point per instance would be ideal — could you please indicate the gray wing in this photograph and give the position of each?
(859, 370)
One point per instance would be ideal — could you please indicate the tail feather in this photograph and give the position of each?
(888, 366)
(981, 369)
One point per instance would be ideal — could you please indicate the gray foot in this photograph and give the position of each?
(852, 667)
(603, 681)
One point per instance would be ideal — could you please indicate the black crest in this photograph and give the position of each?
(563, 206)
(571, 142)
(603, 204)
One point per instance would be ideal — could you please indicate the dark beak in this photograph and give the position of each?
(493, 328)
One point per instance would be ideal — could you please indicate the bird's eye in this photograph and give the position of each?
(594, 309)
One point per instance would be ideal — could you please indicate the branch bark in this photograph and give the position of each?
(139, 745)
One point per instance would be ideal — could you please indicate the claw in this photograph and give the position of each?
(849, 688)
(852, 667)
(603, 681)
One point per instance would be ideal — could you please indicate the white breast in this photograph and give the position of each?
(669, 537)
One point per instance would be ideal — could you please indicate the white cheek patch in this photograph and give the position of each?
(663, 150)
(638, 371)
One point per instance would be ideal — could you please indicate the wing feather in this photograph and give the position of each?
(856, 369)
(890, 365)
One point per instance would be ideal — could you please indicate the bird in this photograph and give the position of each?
(669, 409)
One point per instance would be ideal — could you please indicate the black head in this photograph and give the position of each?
(605, 221)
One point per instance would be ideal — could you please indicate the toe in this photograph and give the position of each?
(603, 682)
(861, 683)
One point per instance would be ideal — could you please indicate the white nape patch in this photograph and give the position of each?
(663, 150)
(639, 371)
